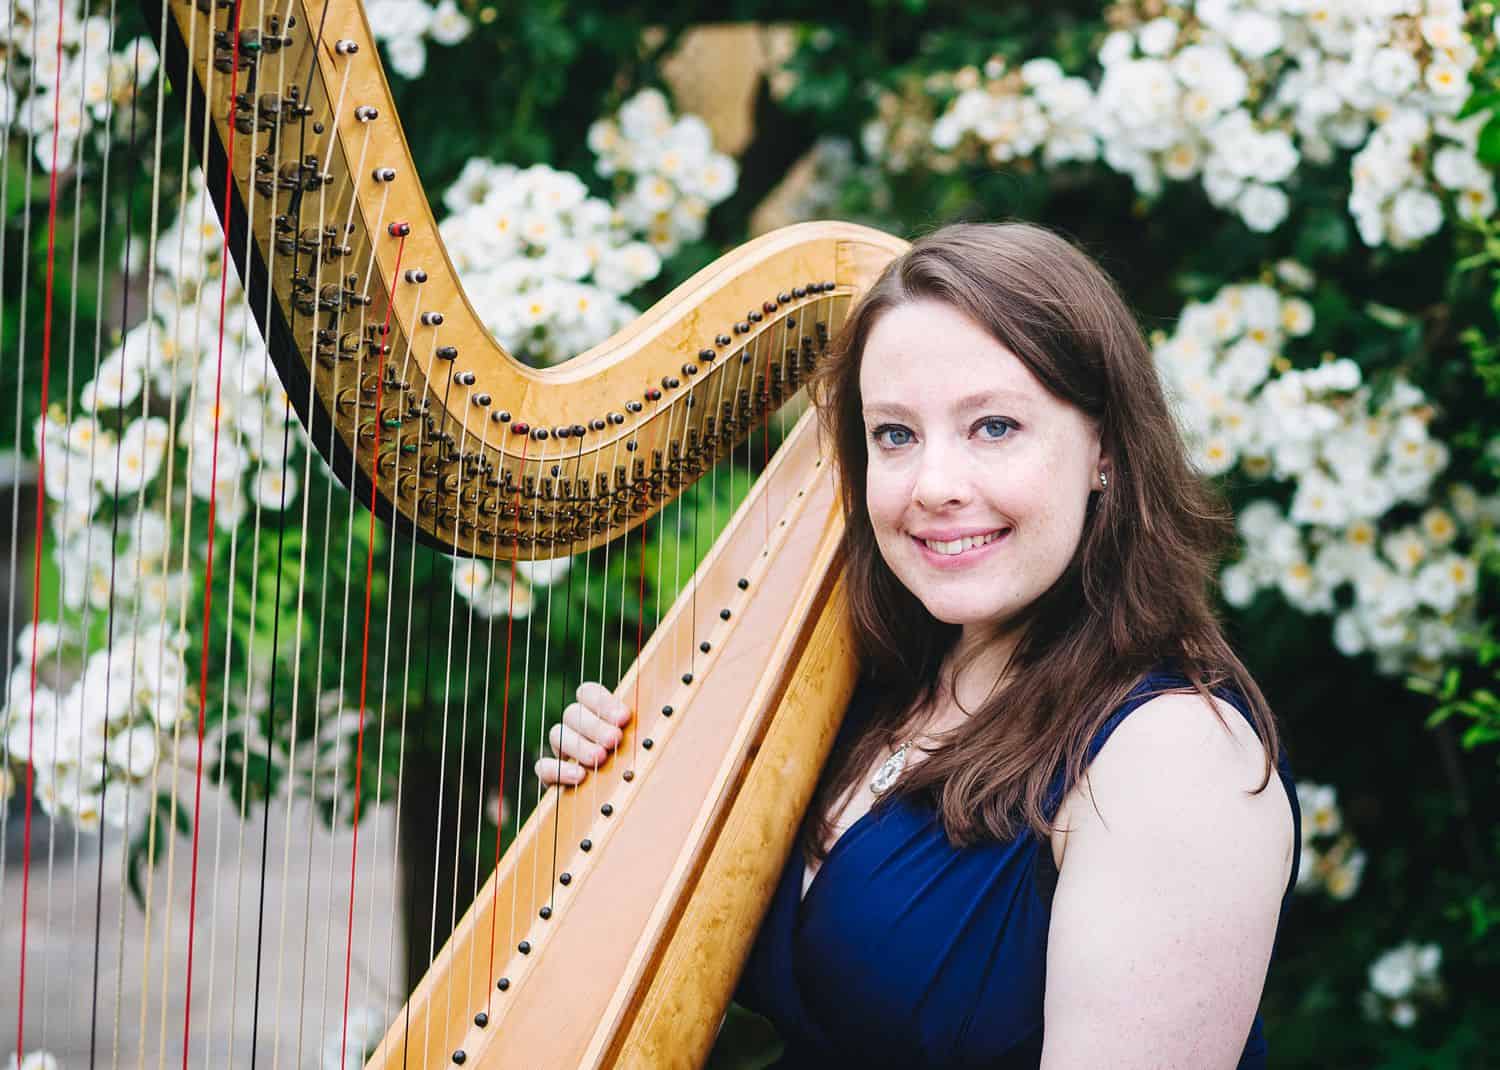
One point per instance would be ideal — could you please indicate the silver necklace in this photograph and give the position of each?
(890, 769)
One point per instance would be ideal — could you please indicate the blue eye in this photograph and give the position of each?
(893, 428)
(995, 421)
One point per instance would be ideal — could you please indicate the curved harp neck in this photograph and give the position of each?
(395, 373)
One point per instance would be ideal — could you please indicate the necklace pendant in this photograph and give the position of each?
(889, 770)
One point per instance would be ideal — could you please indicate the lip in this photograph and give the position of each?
(949, 534)
(958, 561)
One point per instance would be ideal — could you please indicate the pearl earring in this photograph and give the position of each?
(1103, 480)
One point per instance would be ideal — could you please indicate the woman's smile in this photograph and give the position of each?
(951, 554)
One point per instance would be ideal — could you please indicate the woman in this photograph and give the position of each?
(1029, 560)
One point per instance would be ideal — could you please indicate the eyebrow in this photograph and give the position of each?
(969, 401)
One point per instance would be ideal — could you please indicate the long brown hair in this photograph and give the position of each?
(1137, 590)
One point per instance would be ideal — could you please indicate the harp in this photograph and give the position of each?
(612, 929)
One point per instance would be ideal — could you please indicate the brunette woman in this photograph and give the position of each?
(1057, 828)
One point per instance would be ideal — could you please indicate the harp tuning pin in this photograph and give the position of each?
(783, 297)
(633, 406)
(579, 430)
(653, 394)
(799, 291)
(366, 112)
(754, 316)
(346, 47)
(446, 352)
(464, 378)
(597, 424)
(706, 354)
(617, 418)
(722, 340)
(561, 432)
(482, 400)
(384, 174)
(399, 230)
(432, 319)
(540, 434)
(671, 382)
(768, 307)
(416, 275)
(742, 328)
(520, 428)
(690, 369)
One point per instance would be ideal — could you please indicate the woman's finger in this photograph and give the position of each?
(599, 700)
(552, 771)
(588, 724)
(567, 743)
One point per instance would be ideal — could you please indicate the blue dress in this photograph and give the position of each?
(907, 952)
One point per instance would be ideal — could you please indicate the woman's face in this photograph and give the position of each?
(966, 445)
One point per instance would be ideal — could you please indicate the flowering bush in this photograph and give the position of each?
(1352, 466)
(84, 96)
(1403, 980)
(404, 28)
(1237, 97)
(1330, 860)
(664, 169)
(546, 264)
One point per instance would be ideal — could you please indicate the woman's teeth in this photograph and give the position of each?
(958, 546)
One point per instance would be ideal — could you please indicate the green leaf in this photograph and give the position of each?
(1488, 149)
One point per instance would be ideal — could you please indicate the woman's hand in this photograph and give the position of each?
(591, 728)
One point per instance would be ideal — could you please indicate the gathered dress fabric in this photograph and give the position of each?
(908, 952)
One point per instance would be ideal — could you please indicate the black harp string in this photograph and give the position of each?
(108, 125)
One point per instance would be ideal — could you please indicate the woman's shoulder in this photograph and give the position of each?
(1169, 747)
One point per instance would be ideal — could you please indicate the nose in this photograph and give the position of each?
(941, 480)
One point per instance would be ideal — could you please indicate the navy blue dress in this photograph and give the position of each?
(909, 953)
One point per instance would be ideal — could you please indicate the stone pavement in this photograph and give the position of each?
(141, 991)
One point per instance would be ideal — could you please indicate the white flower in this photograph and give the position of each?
(1157, 37)
(1238, 585)
(1394, 973)
(407, 55)
(1392, 71)
(134, 750)
(1263, 207)
(1403, 1014)
(449, 24)
(1041, 71)
(273, 488)
(1254, 34)
(469, 576)
(1415, 214)
(1343, 878)
(544, 573)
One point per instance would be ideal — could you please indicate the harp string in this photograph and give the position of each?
(88, 603)
(36, 581)
(49, 898)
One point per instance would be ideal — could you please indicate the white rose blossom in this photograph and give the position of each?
(1238, 98)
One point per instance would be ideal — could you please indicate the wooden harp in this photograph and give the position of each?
(612, 930)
